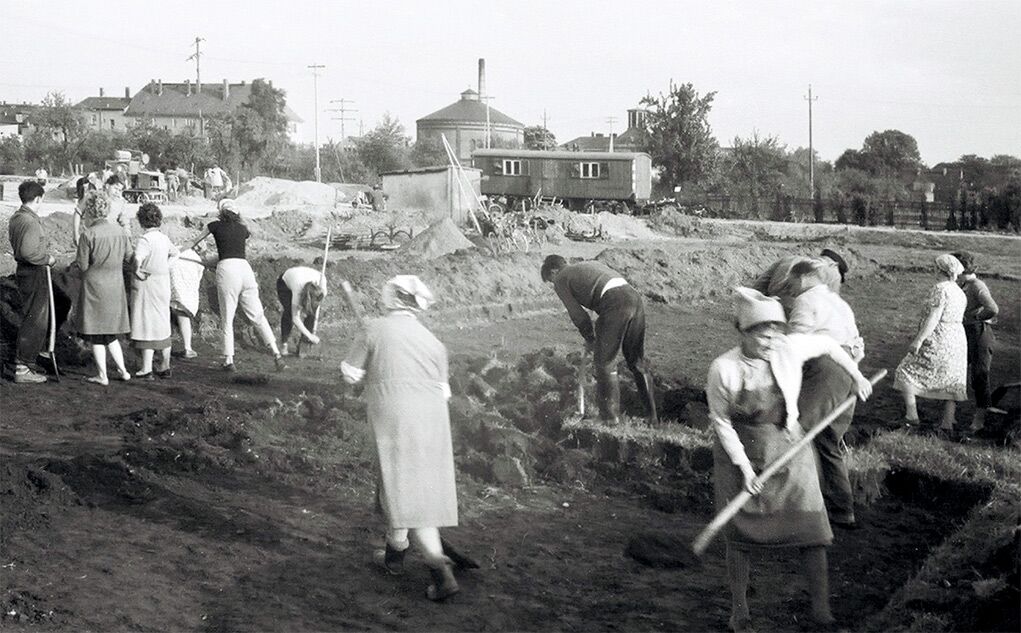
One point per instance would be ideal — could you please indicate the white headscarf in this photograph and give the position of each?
(752, 307)
(406, 292)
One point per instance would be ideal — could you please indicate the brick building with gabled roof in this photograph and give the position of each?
(106, 114)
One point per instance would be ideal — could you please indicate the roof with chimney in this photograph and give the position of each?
(183, 100)
(104, 103)
(630, 138)
(470, 109)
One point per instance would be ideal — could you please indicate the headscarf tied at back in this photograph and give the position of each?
(751, 308)
(406, 292)
(949, 265)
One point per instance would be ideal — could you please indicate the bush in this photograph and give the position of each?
(860, 208)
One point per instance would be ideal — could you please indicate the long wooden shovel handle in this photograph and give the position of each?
(352, 302)
(51, 348)
(702, 541)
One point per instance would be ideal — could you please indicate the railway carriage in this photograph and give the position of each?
(613, 180)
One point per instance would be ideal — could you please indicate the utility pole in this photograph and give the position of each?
(545, 130)
(811, 153)
(611, 120)
(315, 87)
(343, 109)
(196, 55)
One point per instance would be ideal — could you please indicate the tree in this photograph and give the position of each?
(429, 152)
(538, 137)
(385, 147)
(12, 155)
(64, 124)
(893, 151)
(951, 224)
(678, 137)
(756, 168)
(259, 125)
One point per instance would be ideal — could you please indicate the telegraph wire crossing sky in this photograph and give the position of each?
(947, 73)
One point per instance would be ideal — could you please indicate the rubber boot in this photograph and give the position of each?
(643, 381)
(608, 396)
(443, 584)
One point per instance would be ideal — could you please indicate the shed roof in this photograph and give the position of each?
(468, 109)
(175, 101)
(531, 153)
(104, 103)
(424, 170)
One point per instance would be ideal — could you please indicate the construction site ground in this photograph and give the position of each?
(221, 502)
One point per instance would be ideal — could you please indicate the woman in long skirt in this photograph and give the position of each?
(936, 366)
(404, 368)
(753, 403)
(102, 309)
(150, 299)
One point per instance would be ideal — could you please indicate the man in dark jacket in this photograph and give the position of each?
(26, 235)
(619, 326)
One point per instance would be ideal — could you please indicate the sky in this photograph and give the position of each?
(947, 73)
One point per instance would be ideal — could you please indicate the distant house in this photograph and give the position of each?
(16, 119)
(630, 140)
(185, 107)
(106, 114)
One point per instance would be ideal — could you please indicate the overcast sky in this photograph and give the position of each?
(948, 73)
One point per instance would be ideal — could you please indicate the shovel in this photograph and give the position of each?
(51, 347)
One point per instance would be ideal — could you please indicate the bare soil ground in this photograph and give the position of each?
(220, 503)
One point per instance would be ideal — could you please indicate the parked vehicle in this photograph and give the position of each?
(141, 185)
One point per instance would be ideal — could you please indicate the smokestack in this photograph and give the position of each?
(100, 92)
(226, 90)
(127, 92)
(482, 78)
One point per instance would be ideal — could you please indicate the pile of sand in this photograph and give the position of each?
(278, 193)
(439, 239)
(625, 227)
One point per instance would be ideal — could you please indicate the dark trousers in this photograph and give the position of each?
(620, 326)
(824, 386)
(980, 359)
(33, 333)
(286, 298)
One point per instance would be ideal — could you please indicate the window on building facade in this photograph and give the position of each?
(589, 170)
(511, 167)
(113, 124)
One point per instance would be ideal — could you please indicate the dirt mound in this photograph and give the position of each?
(666, 277)
(625, 227)
(673, 222)
(30, 497)
(263, 192)
(439, 239)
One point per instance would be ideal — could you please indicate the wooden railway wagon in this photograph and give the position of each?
(578, 178)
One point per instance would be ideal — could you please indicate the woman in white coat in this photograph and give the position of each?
(150, 297)
(404, 368)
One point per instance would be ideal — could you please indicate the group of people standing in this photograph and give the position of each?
(135, 289)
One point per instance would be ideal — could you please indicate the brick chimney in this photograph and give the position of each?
(100, 92)
(482, 78)
(127, 92)
(187, 86)
(152, 86)
(159, 86)
(226, 90)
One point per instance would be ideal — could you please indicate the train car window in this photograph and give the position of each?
(511, 167)
(590, 170)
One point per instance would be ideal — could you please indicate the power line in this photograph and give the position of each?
(343, 109)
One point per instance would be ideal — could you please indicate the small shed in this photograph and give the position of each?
(434, 190)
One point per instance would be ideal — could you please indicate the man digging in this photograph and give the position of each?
(619, 326)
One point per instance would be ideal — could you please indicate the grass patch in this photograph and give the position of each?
(633, 429)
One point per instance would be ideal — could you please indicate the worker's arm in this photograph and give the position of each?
(296, 317)
(76, 226)
(352, 369)
(84, 247)
(579, 316)
(719, 389)
(928, 326)
(31, 249)
(204, 235)
(987, 308)
(803, 347)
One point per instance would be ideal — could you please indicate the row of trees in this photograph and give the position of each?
(760, 170)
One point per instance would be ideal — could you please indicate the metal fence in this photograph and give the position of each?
(915, 214)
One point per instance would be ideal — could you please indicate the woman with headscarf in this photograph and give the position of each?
(777, 281)
(936, 366)
(186, 272)
(150, 296)
(236, 283)
(300, 290)
(404, 368)
(101, 312)
(753, 394)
